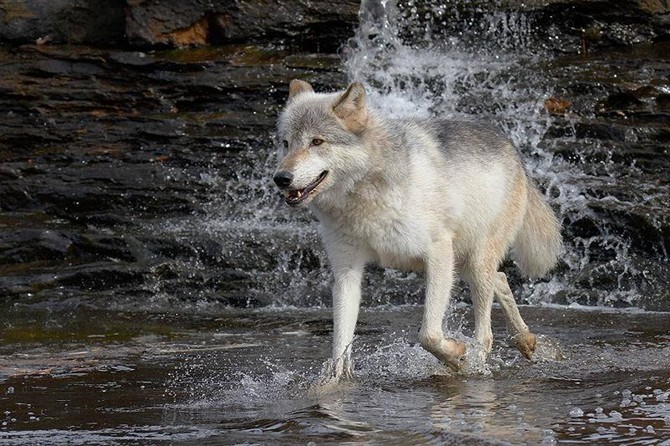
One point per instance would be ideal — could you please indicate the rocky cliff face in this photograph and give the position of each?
(564, 26)
(317, 24)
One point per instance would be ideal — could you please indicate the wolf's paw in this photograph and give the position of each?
(334, 373)
(450, 351)
(526, 343)
(323, 386)
(456, 363)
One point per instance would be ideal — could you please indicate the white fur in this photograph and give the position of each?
(404, 195)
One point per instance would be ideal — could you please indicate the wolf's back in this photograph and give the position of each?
(539, 242)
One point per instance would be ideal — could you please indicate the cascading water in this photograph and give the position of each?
(493, 70)
(429, 58)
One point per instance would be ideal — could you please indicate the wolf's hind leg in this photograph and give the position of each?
(440, 277)
(482, 283)
(524, 340)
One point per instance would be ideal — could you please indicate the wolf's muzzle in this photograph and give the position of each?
(283, 179)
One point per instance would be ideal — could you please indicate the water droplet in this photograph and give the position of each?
(616, 416)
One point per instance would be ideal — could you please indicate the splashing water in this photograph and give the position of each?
(495, 71)
(413, 60)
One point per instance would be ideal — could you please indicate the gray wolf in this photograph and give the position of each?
(442, 196)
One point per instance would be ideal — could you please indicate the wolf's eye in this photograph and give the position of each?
(317, 141)
(285, 144)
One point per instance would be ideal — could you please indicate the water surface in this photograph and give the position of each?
(244, 377)
(154, 289)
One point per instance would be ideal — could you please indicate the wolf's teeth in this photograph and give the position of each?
(299, 193)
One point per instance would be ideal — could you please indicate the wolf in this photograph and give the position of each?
(445, 197)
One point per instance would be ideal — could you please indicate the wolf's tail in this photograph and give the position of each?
(539, 242)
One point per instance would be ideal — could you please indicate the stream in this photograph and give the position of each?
(155, 289)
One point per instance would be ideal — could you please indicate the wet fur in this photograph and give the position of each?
(442, 196)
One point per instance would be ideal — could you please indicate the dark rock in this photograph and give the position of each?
(318, 62)
(568, 26)
(8, 173)
(563, 26)
(621, 100)
(62, 21)
(321, 25)
(663, 101)
(316, 26)
(32, 245)
(102, 276)
(89, 248)
(117, 164)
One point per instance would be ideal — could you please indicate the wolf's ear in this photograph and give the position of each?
(297, 87)
(350, 108)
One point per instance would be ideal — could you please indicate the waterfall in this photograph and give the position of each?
(428, 58)
(454, 60)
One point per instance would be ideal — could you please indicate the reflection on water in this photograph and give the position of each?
(243, 377)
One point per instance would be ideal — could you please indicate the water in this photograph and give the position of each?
(613, 210)
(243, 377)
(222, 341)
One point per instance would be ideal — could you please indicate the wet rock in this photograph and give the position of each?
(88, 248)
(316, 24)
(8, 173)
(99, 144)
(569, 26)
(663, 101)
(31, 245)
(621, 100)
(222, 284)
(116, 163)
(562, 26)
(325, 62)
(69, 21)
(167, 22)
(103, 276)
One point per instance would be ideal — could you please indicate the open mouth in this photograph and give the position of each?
(296, 196)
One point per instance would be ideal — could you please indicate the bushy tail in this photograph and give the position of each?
(539, 242)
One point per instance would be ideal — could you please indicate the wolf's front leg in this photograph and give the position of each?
(348, 272)
(347, 264)
(346, 304)
(440, 272)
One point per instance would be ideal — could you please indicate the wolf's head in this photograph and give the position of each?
(322, 143)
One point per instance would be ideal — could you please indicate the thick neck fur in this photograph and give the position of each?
(364, 190)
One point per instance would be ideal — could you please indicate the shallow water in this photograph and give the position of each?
(243, 377)
(117, 324)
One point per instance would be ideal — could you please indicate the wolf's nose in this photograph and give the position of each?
(283, 179)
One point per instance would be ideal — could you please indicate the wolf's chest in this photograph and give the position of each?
(395, 243)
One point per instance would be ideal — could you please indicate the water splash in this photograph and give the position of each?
(491, 68)
(429, 59)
